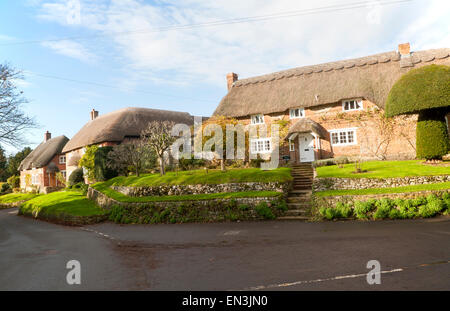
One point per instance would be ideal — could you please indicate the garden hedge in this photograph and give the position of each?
(432, 141)
(420, 89)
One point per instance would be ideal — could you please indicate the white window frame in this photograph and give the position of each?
(301, 113)
(64, 159)
(358, 102)
(344, 133)
(260, 145)
(257, 117)
(64, 174)
(291, 145)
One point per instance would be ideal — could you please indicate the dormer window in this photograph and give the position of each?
(62, 159)
(258, 119)
(351, 105)
(297, 113)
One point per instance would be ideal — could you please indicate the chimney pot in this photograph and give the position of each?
(231, 78)
(47, 136)
(404, 49)
(94, 114)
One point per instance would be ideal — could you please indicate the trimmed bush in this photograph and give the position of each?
(420, 89)
(432, 141)
(76, 177)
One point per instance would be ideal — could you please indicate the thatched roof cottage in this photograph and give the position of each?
(115, 127)
(332, 108)
(39, 168)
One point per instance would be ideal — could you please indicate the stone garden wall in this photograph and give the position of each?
(202, 189)
(190, 211)
(331, 201)
(106, 202)
(323, 184)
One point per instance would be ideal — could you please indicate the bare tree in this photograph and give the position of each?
(133, 153)
(157, 135)
(13, 121)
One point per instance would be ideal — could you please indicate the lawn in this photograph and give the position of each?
(384, 169)
(405, 189)
(202, 177)
(104, 188)
(71, 203)
(16, 197)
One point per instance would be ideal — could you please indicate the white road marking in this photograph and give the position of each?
(340, 277)
(236, 232)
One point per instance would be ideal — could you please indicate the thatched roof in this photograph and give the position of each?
(119, 124)
(368, 77)
(43, 153)
(307, 125)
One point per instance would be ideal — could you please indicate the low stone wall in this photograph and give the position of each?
(203, 189)
(323, 184)
(331, 201)
(232, 209)
(106, 202)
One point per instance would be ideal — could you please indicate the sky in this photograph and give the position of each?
(79, 55)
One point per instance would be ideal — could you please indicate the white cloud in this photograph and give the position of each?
(71, 49)
(206, 54)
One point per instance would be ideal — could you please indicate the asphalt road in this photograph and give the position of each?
(274, 255)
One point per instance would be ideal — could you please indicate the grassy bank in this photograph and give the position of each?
(405, 189)
(104, 188)
(384, 169)
(16, 197)
(192, 177)
(71, 207)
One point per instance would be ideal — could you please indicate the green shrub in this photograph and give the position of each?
(382, 212)
(76, 177)
(280, 205)
(344, 210)
(5, 187)
(431, 135)
(395, 214)
(263, 210)
(426, 212)
(101, 171)
(362, 209)
(13, 181)
(435, 205)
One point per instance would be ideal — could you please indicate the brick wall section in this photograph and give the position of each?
(332, 117)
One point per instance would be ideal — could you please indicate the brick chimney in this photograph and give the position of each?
(404, 49)
(231, 78)
(94, 114)
(47, 136)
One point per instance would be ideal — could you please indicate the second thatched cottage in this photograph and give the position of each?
(114, 128)
(333, 109)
